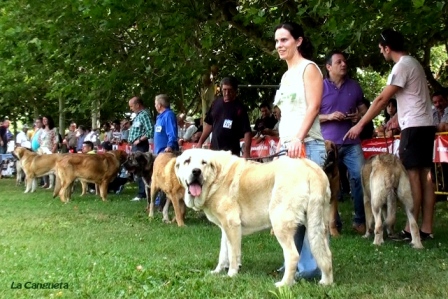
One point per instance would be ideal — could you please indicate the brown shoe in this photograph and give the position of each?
(359, 228)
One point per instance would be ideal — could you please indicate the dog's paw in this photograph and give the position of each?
(232, 272)
(325, 282)
(417, 245)
(378, 242)
(367, 235)
(215, 272)
(283, 283)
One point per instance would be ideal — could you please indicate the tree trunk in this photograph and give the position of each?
(207, 95)
(96, 114)
(62, 116)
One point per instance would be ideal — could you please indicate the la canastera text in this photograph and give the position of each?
(39, 285)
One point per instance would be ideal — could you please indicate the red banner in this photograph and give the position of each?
(264, 148)
(371, 147)
(375, 146)
(441, 149)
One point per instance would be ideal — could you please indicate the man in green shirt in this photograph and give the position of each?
(139, 134)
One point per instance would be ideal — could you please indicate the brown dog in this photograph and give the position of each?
(35, 165)
(332, 170)
(99, 169)
(164, 179)
(384, 179)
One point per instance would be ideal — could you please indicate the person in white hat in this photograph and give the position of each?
(190, 128)
(22, 137)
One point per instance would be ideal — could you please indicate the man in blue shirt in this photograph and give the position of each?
(165, 133)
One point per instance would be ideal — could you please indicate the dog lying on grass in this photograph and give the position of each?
(384, 179)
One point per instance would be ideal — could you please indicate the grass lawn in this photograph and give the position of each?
(111, 250)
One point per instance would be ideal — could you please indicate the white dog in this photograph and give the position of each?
(243, 197)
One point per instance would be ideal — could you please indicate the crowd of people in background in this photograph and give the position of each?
(308, 108)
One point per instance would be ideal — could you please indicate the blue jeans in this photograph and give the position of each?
(351, 155)
(141, 147)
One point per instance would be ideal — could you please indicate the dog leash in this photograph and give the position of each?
(280, 153)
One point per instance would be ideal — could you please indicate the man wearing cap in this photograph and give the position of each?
(22, 137)
(190, 129)
(407, 81)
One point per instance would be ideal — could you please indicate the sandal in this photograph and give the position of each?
(402, 236)
(426, 236)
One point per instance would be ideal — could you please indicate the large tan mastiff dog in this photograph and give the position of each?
(243, 197)
(164, 178)
(100, 169)
(35, 165)
(384, 179)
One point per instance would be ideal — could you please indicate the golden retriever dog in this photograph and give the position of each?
(384, 179)
(242, 197)
(332, 170)
(92, 168)
(164, 179)
(35, 165)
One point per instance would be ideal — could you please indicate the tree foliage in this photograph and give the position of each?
(96, 54)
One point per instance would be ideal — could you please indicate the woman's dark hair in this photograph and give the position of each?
(306, 49)
(50, 121)
(392, 39)
(387, 115)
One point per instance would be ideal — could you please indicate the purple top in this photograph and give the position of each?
(345, 100)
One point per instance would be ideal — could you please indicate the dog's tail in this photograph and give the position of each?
(318, 214)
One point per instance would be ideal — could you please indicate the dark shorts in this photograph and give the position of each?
(417, 147)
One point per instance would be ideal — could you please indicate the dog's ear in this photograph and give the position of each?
(215, 165)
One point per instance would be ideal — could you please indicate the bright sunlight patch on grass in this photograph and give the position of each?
(111, 250)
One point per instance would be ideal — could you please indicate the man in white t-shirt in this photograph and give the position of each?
(93, 137)
(407, 81)
(22, 138)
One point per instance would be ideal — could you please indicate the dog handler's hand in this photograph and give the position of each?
(295, 148)
(354, 132)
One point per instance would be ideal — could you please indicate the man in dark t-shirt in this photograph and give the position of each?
(228, 120)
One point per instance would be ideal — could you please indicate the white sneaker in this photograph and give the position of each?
(136, 199)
